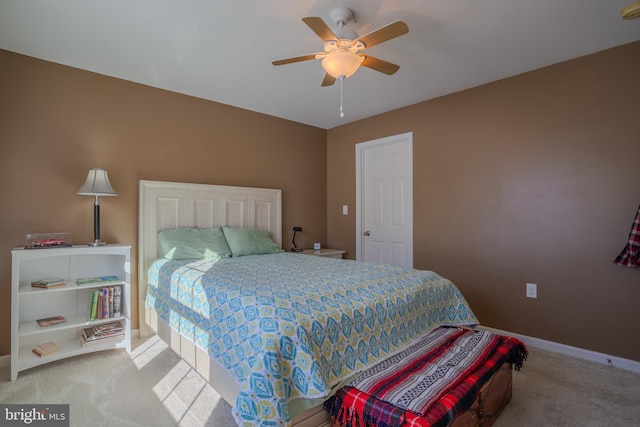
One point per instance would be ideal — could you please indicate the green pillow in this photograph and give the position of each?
(250, 241)
(193, 243)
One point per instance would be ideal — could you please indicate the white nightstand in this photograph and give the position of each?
(327, 253)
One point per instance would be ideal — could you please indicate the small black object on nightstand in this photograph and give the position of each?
(293, 241)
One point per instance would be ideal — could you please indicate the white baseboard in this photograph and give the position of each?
(580, 353)
(5, 360)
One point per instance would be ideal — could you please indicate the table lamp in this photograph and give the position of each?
(293, 241)
(97, 184)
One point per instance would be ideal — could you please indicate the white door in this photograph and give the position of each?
(384, 200)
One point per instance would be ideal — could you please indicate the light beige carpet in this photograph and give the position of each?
(152, 387)
(557, 390)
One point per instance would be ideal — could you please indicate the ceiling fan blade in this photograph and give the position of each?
(379, 65)
(294, 59)
(388, 32)
(328, 80)
(318, 26)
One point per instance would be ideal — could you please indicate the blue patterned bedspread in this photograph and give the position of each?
(290, 326)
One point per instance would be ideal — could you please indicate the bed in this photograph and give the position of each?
(271, 338)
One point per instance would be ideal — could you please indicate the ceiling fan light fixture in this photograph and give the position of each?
(342, 55)
(631, 11)
(341, 63)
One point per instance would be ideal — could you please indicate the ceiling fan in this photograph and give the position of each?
(342, 46)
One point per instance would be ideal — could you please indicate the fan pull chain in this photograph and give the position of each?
(341, 112)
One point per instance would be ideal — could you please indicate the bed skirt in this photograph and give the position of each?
(215, 375)
(492, 398)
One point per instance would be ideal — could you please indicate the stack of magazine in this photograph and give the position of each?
(101, 334)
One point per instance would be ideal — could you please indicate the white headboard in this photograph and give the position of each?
(170, 205)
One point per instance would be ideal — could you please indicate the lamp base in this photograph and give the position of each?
(97, 243)
(296, 249)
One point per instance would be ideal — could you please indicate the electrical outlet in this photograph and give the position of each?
(345, 209)
(532, 290)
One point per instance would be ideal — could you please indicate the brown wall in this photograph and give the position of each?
(534, 178)
(57, 122)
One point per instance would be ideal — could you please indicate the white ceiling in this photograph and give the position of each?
(221, 50)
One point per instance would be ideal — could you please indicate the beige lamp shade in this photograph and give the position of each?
(97, 184)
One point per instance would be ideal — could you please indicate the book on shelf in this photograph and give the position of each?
(105, 303)
(110, 305)
(99, 305)
(92, 312)
(107, 340)
(106, 327)
(46, 348)
(50, 321)
(117, 298)
(105, 280)
(50, 282)
(105, 330)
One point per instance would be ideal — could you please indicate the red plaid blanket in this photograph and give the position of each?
(353, 407)
(630, 255)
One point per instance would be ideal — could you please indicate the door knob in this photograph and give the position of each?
(367, 233)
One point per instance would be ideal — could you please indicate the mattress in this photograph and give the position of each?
(288, 326)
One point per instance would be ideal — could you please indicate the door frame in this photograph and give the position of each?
(360, 147)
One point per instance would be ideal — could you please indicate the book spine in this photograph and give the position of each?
(89, 308)
(99, 308)
(117, 291)
(110, 301)
(94, 305)
(105, 303)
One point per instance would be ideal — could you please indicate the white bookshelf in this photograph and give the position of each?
(71, 300)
